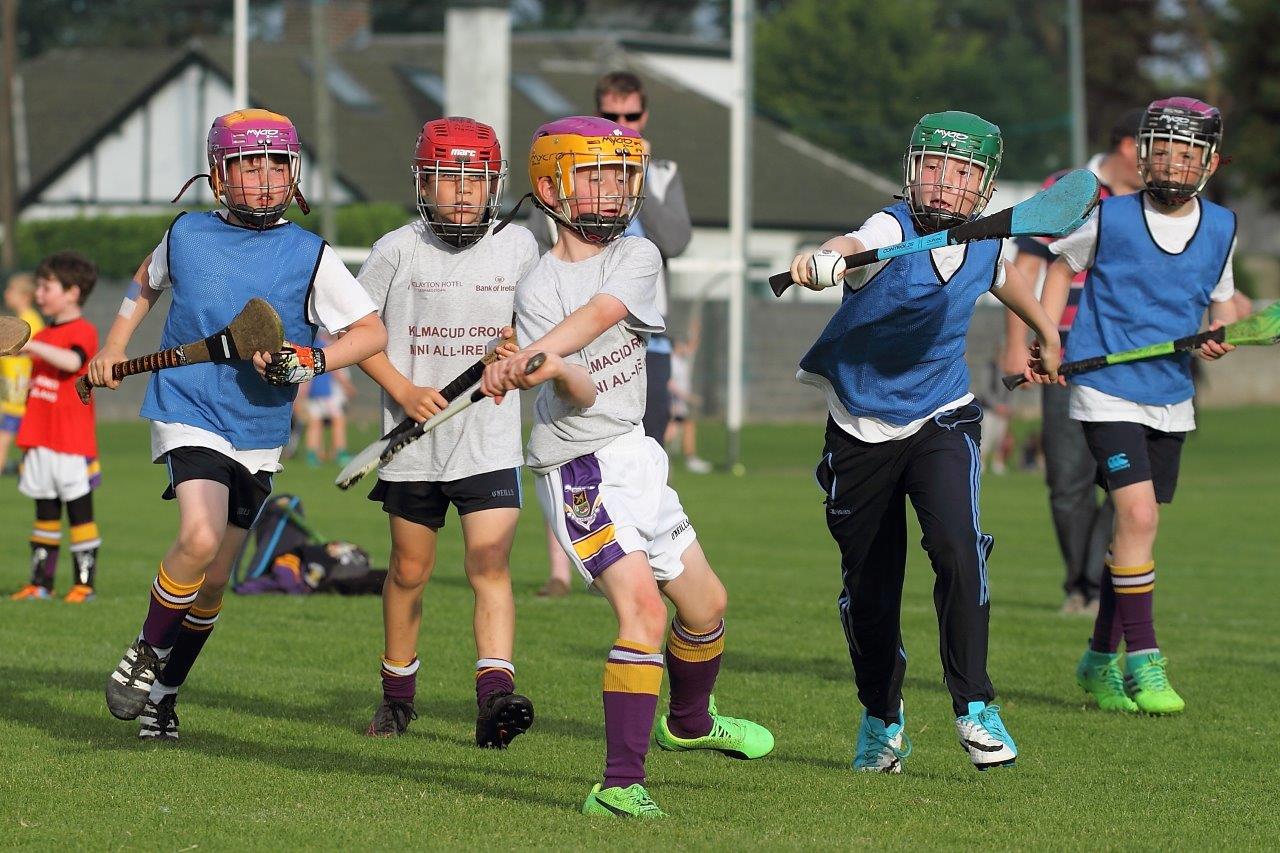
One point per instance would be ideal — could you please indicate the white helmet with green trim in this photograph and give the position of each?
(951, 135)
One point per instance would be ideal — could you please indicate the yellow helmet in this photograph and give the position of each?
(562, 148)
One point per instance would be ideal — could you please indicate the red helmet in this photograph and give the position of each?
(459, 159)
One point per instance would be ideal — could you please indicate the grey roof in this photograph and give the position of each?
(74, 98)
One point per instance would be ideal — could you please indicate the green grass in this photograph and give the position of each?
(272, 754)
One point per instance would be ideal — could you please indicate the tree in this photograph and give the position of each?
(1252, 76)
(855, 75)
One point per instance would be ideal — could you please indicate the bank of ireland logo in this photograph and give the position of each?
(1117, 462)
(581, 506)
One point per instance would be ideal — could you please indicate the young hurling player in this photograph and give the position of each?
(60, 463)
(445, 288)
(903, 425)
(218, 427)
(1156, 260)
(589, 306)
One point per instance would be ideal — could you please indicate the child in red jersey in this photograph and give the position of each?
(61, 460)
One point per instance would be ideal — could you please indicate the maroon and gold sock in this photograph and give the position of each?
(193, 633)
(170, 602)
(693, 662)
(1135, 598)
(399, 679)
(632, 679)
(494, 675)
(46, 536)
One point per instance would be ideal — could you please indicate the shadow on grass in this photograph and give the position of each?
(100, 733)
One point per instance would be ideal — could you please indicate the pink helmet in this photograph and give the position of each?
(246, 133)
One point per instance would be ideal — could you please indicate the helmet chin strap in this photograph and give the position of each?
(506, 220)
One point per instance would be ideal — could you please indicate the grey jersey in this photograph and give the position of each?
(443, 307)
(628, 271)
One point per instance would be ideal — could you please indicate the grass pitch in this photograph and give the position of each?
(272, 754)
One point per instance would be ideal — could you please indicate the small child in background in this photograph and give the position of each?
(326, 401)
(683, 401)
(15, 370)
(61, 461)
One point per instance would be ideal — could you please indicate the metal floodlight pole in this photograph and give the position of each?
(240, 55)
(1075, 49)
(326, 149)
(8, 200)
(739, 216)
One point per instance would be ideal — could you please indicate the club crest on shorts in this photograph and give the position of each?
(581, 506)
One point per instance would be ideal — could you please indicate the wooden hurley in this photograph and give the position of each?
(257, 328)
(14, 334)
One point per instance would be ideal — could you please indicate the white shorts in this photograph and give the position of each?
(48, 474)
(607, 504)
(322, 408)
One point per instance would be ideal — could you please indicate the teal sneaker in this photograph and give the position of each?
(1147, 683)
(983, 735)
(631, 801)
(881, 748)
(1099, 675)
(730, 735)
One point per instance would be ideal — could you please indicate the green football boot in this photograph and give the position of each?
(631, 801)
(1147, 683)
(730, 735)
(1099, 675)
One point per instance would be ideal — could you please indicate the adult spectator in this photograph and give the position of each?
(1082, 524)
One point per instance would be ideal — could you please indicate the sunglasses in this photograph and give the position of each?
(619, 116)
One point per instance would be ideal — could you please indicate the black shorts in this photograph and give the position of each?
(426, 503)
(247, 492)
(1129, 453)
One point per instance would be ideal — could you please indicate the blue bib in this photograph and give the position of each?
(894, 350)
(217, 267)
(1139, 294)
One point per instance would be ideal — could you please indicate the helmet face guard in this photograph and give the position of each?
(951, 137)
(464, 156)
(1177, 141)
(245, 136)
(596, 169)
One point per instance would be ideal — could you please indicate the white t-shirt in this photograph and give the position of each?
(627, 270)
(1171, 233)
(337, 300)
(882, 229)
(443, 308)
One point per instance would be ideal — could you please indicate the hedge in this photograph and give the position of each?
(119, 243)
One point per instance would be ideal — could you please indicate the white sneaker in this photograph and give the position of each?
(982, 734)
(697, 465)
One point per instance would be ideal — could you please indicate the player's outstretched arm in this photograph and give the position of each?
(294, 365)
(1013, 356)
(362, 339)
(582, 326)
(572, 383)
(1057, 284)
(1018, 297)
(133, 310)
(804, 273)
